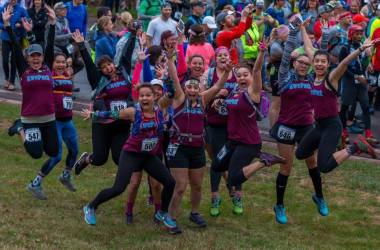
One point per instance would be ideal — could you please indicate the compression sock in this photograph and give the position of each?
(281, 183)
(315, 176)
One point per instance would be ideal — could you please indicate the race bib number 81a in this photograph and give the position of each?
(33, 135)
(118, 105)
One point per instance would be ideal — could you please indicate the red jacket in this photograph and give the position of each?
(318, 28)
(225, 38)
(376, 57)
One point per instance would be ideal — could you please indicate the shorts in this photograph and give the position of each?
(188, 157)
(287, 134)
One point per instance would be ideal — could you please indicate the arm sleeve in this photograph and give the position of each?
(49, 50)
(325, 39)
(290, 45)
(93, 74)
(235, 33)
(125, 60)
(16, 48)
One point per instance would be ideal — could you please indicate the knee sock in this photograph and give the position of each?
(317, 181)
(281, 183)
(37, 181)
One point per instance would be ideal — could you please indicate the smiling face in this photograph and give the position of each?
(59, 64)
(35, 60)
(196, 66)
(244, 77)
(146, 98)
(222, 58)
(302, 65)
(192, 90)
(158, 92)
(321, 64)
(108, 68)
(229, 21)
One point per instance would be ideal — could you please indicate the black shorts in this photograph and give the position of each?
(188, 157)
(287, 134)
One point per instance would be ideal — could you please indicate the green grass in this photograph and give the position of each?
(353, 193)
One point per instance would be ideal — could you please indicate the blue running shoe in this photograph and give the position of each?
(323, 209)
(197, 219)
(159, 216)
(354, 129)
(89, 215)
(37, 191)
(280, 212)
(169, 222)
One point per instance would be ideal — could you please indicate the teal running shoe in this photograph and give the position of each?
(89, 215)
(159, 216)
(280, 212)
(36, 191)
(323, 209)
(237, 204)
(166, 219)
(66, 181)
(215, 206)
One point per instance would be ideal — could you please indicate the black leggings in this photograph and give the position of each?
(217, 139)
(324, 137)
(108, 136)
(363, 100)
(132, 162)
(9, 74)
(41, 137)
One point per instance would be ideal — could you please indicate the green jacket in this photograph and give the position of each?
(147, 9)
(250, 42)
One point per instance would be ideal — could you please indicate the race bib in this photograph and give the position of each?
(172, 150)
(118, 105)
(285, 133)
(223, 110)
(222, 153)
(149, 144)
(33, 135)
(67, 103)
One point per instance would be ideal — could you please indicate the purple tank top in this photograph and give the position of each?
(296, 105)
(62, 89)
(188, 125)
(242, 125)
(116, 94)
(219, 117)
(37, 92)
(146, 133)
(325, 102)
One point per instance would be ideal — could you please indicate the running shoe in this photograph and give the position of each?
(66, 181)
(37, 191)
(15, 128)
(175, 230)
(81, 163)
(166, 219)
(269, 159)
(89, 215)
(353, 129)
(237, 205)
(280, 212)
(365, 147)
(197, 219)
(215, 206)
(322, 207)
(129, 219)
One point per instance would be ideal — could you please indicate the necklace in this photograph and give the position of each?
(318, 82)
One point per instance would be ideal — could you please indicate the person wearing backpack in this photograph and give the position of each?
(148, 10)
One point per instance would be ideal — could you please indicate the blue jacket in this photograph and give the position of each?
(77, 16)
(105, 45)
(18, 13)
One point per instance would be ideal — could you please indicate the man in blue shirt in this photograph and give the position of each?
(77, 16)
(277, 12)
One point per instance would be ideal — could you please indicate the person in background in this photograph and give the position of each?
(324, 13)
(197, 10)
(148, 10)
(277, 12)
(77, 16)
(160, 24)
(62, 30)
(6, 47)
(239, 5)
(101, 11)
(360, 20)
(341, 29)
(261, 18)
(111, 3)
(38, 15)
(369, 10)
(105, 40)
(209, 27)
(354, 7)
(311, 11)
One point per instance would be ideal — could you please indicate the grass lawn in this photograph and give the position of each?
(353, 193)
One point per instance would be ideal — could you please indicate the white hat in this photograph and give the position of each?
(157, 82)
(210, 21)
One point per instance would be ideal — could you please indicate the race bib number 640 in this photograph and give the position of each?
(285, 133)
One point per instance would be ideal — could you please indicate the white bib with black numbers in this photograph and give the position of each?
(67, 103)
(172, 150)
(118, 105)
(285, 133)
(222, 153)
(33, 135)
(149, 144)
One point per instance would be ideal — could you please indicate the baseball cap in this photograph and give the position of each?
(324, 9)
(343, 15)
(260, 4)
(35, 48)
(196, 3)
(157, 82)
(222, 15)
(358, 18)
(59, 6)
(210, 21)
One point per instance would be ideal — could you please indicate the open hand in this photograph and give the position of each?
(77, 37)
(7, 14)
(27, 24)
(86, 114)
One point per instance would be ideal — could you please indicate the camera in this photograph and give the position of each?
(136, 24)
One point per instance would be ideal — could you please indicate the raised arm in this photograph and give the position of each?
(255, 90)
(325, 36)
(307, 44)
(93, 74)
(49, 50)
(290, 45)
(21, 64)
(126, 56)
(210, 93)
(179, 96)
(338, 72)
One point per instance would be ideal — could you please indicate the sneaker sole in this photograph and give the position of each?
(36, 194)
(68, 186)
(85, 219)
(371, 151)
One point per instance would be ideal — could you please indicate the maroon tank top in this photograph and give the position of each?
(62, 90)
(325, 101)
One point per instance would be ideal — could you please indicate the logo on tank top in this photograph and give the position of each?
(232, 101)
(116, 85)
(61, 82)
(195, 111)
(299, 86)
(37, 78)
(148, 125)
(316, 92)
(230, 85)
